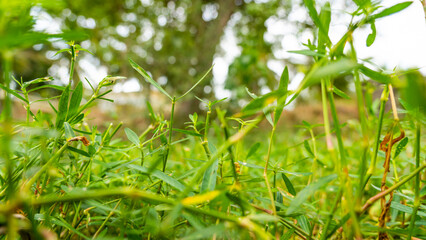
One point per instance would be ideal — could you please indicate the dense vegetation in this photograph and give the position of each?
(218, 178)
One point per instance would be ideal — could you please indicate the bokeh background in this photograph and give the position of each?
(247, 41)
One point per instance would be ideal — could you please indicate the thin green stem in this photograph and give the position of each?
(417, 183)
(392, 188)
(383, 100)
(364, 128)
(37, 175)
(106, 220)
(331, 214)
(169, 141)
(343, 168)
(265, 172)
(73, 58)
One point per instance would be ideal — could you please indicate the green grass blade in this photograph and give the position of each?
(145, 75)
(392, 10)
(75, 101)
(69, 133)
(308, 191)
(288, 184)
(209, 178)
(310, 5)
(14, 93)
(374, 75)
(62, 108)
(132, 136)
(160, 175)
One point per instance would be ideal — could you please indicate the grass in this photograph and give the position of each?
(220, 178)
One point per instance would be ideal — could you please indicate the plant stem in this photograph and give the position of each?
(265, 172)
(344, 173)
(73, 58)
(392, 188)
(383, 100)
(417, 184)
(331, 214)
(36, 176)
(364, 129)
(106, 220)
(169, 141)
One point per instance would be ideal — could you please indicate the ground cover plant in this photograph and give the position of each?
(218, 178)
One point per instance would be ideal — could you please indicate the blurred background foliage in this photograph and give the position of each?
(176, 41)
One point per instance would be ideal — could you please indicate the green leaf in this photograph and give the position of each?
(414, 94)
(340, 93)
(304, 223)
(310, 4)
(330, 70)
(362, 3)
(288, 234)
(308, 191)
(69, 133)
(61, 222)
(62, 108)
(253, 150)
(60, 88)
(401, 145)
(35, 81)
(262, 101)
(283, 86)
(209, 178)
(308, 148)
(152, 222)
(374, 75)
(79, 151)
(325, 19)
(307, 53)
(132, 136)
(144, 74)
(391, 10)
(14, 93)
(406, 209)
(160, 175)
(372, 36)
(187, 132)
(75, 101)
(288, 184)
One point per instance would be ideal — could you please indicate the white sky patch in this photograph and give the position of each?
(400, 40)
(131, 85)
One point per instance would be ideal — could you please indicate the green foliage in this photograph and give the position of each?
(218, 178)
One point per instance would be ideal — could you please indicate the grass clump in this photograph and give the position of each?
(65, 179)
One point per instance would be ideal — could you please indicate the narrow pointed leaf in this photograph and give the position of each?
(63, 108)
(308, 191)
(374, 75)
(148, 78)
(132, 136)
(14, 93)
(288, 184)
(75, 101)
(392, 10)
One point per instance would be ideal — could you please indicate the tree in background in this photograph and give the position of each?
(176, 41)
